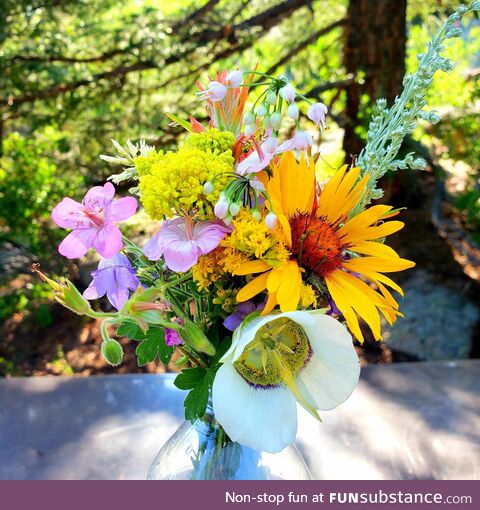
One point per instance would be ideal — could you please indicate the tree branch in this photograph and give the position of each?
(340, 84)
(72, 60)
(66, 87)
(265, 20)
(304, 44)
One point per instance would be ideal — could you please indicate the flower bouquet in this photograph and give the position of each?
(259, 272)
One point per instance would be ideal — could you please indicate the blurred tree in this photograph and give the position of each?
(374, 52)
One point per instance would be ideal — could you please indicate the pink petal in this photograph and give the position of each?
(77, 243)
(180, 256)
(287, 145)
(122, 209)
(108, 241)
(99, 197)
(69, 214)
(207, 236)
(170, 231)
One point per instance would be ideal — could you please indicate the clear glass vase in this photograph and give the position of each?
(203, 451)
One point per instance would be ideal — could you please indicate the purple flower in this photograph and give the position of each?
(246, 308)
(333, 308)
(93, 222)
(172, 338)
(181, 242)
(114, 277)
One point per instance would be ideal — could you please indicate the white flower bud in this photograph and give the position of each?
(234, 208)
(266, 122)
(292, 111)
(208, 188)
(271, 97)
(261, 110)
(249, 129)
(249, 118)
(271, 220)
(256, 215)
(276, 120)
(221, 207)
(287, 93)
(234, 78)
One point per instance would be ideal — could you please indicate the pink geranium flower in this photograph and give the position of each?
(93, 222)
(181, 242)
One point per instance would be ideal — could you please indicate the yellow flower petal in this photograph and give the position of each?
(288, 293)
(251, 267)
(270, 304)
(379, 264)
(370, 233)
(374, 248)
(253, 288)
(341, 298)
(361, 299)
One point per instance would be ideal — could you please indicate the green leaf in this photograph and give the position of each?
(189, 378)
(153, 346)
(185, 124)
(198, 380)
(130, 330)
(221, 350)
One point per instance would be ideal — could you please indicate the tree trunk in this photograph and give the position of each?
(374, 52)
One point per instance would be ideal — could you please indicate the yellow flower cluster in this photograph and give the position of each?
(175, 180)
(226, 298)
(144, 164)
(207, 270)
(211, 140)
(308, 298)
(255, 240)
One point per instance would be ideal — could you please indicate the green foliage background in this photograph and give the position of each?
(74, 74)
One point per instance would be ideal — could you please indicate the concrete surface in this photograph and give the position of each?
(404, 421)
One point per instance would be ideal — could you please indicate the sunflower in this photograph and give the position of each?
(325, 241)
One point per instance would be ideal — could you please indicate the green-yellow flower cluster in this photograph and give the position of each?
(172, 183)
(211, 140)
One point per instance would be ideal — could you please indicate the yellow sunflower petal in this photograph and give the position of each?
(374, 248)
(361, 299)
(270, 304)
(380, 264)
(367, 234)
(328, 191)
(274, 280)
(289, 289)
(253, 288)
(341, 298)
(251, 267)
(344, 207)
(371, 274)
(364, 219)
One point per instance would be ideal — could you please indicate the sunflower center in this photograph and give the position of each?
(315, 243)
(279, 350)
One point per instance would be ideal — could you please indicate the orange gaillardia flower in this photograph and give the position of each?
(324, 240)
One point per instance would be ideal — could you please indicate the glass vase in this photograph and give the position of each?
(203, 451)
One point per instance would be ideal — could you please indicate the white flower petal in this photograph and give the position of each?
(245, 333)
(331, 374)
(263, 419)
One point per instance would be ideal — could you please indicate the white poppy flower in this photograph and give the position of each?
(275, 361)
